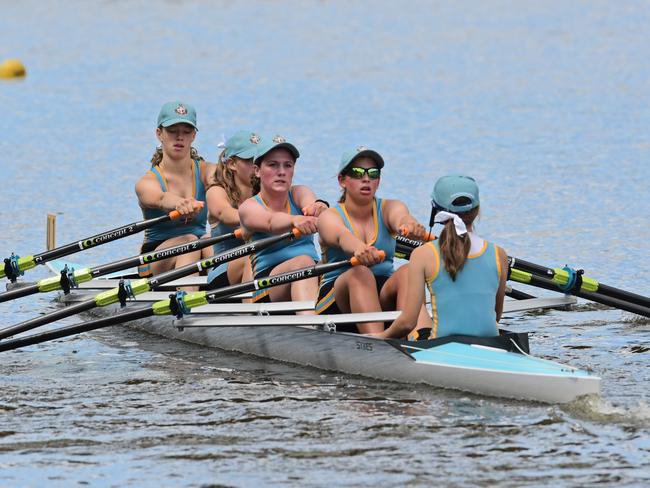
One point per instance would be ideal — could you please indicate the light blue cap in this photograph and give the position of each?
(350, 156)
(243, 144)
(267, 144)
(451, 187)
(176, 113)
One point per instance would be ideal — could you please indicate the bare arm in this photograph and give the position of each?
(219, 207)
(305, 199)
(150, 195)
(415, 297)
(333, 232)
(207, 172)
(256, 218)
(399, 220)
(502, 256)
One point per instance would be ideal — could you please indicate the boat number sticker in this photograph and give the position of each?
(364, 346)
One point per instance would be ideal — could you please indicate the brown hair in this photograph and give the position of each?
(225, 178)
(255, 184)
(158, 155)
(454, 249)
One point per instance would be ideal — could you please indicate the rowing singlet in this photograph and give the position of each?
(174, 228)
(223, 246)
(265, 260)
(383, 241)
(466, 306)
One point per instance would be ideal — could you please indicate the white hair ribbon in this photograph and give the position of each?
(442, 217)
(222, 144)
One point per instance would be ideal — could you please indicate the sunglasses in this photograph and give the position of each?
(358, 173)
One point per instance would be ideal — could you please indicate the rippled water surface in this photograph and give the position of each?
(547, 104)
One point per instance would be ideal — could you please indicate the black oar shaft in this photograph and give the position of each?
(161, 279)
(76, 329)
(15, 266)
(279, 279)
(122, 264)
(99, 239)
(164, 307)
(46, 319)
(538, 281)
(20, 292)
(224, 257)
(600, 289)
(158, 255)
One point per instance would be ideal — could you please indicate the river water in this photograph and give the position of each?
(546, 103)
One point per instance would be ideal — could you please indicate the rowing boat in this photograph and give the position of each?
(499, 368)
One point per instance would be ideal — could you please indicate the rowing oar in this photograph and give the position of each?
(541, 282)
(126, 290)
(570, 280)
(179, 304)
(71, 278)
(15, 265)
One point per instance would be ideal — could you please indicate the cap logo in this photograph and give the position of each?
(279, 140)
(361, 148)
(255, 139)
(181, 110)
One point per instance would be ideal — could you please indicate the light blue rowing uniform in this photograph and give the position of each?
(465, 306)
(223, 246)
(173, 228)
(383, 240)
(265, 260)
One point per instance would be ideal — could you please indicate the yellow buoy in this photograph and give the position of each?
(12, 68)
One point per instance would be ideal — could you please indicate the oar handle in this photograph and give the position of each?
(355, 262)
(175, 214)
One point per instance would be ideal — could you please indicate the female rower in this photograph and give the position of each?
(279, 207)
(361, 225)
(231, 186)
(176, 181)
(465, 274)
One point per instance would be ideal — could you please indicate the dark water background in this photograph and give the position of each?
(547, 104)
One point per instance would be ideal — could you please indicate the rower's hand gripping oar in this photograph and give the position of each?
(15, 266)
(71, 279)
(180, 304)
(137, 287)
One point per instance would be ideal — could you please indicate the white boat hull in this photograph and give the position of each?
(472, 368)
